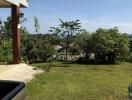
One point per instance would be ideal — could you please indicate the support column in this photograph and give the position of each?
(16, 34)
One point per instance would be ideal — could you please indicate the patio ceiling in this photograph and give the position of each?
(4, 3)
(9, 3)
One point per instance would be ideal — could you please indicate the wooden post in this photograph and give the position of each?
(16, 34)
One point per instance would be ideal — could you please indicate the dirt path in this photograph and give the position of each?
(21, 72)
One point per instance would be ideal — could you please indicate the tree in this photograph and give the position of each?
(83, 42)
(66, 30)
(7, 25)
(39, 48)
(6, 37)
(36, 24)
(104, 43)
(111, 41)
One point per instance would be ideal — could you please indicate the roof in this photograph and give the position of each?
(9, 3)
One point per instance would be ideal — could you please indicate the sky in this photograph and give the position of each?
(93, 14)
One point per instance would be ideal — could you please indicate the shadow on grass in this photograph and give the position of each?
(47, 66)
(95, 63)
(98, 63)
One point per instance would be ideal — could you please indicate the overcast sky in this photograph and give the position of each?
(92, 14)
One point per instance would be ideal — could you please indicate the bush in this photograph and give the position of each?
(81, 60)
(35, 61)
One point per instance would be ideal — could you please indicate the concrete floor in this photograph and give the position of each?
(20, 72)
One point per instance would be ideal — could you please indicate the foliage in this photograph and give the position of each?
(111, 41)
(104, 42)
(6, 39)
(82, 41)
(36, 24)
(74, 43)
(7, 25)
(40, 47)
(66, 30)
(6, 49)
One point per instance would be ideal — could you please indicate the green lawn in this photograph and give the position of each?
(81, 82)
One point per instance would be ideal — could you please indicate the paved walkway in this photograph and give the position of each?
(20, 72)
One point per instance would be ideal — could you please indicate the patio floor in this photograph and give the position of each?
(20, 72)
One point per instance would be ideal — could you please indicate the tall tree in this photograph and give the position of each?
(36, 24)
(66, 29)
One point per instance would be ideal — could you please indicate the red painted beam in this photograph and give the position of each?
(16, 34)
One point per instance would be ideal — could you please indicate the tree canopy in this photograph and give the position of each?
(103, 43)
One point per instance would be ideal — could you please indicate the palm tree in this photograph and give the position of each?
(68, 29)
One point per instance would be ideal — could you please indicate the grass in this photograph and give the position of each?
(81, 82)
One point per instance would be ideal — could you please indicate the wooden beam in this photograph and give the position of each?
(16, 34)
